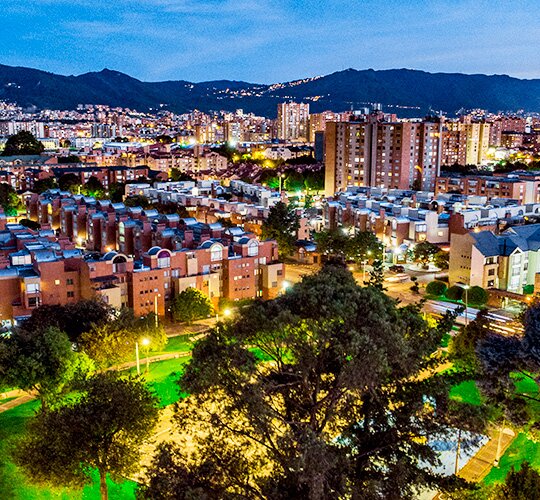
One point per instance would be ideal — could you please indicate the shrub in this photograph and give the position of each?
(477, 295)
(454, 293)
(436, 288)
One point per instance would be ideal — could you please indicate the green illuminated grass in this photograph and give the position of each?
(466, 392)
(162, 378)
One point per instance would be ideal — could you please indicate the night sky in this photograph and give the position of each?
(270, 40)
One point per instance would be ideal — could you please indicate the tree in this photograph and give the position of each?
(441, 259)
(320, 393)
(424, 251)
(376, 276)
(9, 200)
(70, 182)
(117, 190)
(282, 225)
(506, 361)
(93, 187)
(364, 245)
(42, 185)
(164, 139)
(436, 288)
(454, 293)
(177, 175)
(333, 243)
(464, 345)
(103, 429)
(74, 319)
(30, 224)
(189, 305)
(477, 295)
(69, 159)
(22, 143)
(137, 200)
(41, 361)
(113, 342)
(523, 484)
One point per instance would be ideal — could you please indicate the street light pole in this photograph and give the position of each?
(156, 309)
(137, 357)
(466, 288)
(364, 271)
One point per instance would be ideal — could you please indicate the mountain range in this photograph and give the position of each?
(403, 91)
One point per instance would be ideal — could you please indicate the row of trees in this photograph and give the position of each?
(475, 295)
(357, 247)
(60, 346)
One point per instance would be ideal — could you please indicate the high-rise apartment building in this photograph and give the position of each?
(317, 121)
(465, 143)
(293, 121)
(393, 155)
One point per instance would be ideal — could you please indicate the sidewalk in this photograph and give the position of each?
(25, 397)
(478, 467)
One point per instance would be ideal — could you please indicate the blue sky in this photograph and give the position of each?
(270, 40)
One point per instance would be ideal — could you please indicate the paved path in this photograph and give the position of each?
(16, 402)
(478, 467)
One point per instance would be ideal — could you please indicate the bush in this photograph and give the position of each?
(477, 295)
(454, 293)
(436, 288)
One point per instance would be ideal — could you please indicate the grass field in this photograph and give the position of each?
(467, 392)
(162, 378)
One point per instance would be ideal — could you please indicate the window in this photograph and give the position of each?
(71, 295)
(69, 281)
(216, 253)
(491, 272)
(490, 283)
(163, 259)
(253, 248)
(57, 282)
(32, 288)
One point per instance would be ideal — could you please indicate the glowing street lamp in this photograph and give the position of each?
(144, 342)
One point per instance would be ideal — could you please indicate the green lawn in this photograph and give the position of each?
(522, 449)
(162, 378)
(466, 392)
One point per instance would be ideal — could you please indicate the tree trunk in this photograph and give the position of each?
(103, 485)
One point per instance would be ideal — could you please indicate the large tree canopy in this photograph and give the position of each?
(103, 429)
(22, 143)
(329, 391)
(42, 361)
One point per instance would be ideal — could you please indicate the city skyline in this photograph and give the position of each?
(274, 42)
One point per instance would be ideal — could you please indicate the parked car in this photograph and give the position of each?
(396, 268)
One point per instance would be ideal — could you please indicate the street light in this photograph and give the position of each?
(364, 263)
(466, 288)
(156, 308)
(144, 342)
